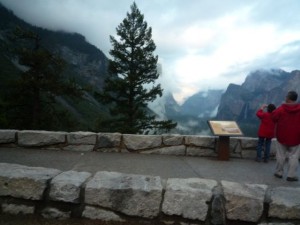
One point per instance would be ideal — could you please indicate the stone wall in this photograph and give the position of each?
(111, 196)
(119, 197)
(192, 145)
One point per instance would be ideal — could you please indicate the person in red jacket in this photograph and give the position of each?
(287, 119)
(266, 131)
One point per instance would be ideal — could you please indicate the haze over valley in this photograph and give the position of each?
(205, 74)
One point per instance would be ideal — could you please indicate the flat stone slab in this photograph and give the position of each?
(80, 137)
(17, 209)
(134, 195)
(200, 141)
(54, 213)
(188, 197)
(285, 203)
(172, 140)
(24, 182)
(66, 186)
(108, 140)
(140, 142)
(7, 136)
(40, 138)
(244, 202)
(94, 213)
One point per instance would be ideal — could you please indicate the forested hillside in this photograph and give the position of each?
(84, 67)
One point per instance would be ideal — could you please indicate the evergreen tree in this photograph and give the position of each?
(32, 103)
(132, 73)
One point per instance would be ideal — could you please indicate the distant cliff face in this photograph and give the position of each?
(191, 116)
(237, 102)
(240, 102)
(86, 63)
(202, 104)
(91, 70)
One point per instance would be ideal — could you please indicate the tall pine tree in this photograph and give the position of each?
(132, 72)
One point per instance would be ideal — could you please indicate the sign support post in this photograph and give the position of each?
(223, 148)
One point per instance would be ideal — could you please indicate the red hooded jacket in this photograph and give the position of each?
(287, 119)
(267, 126)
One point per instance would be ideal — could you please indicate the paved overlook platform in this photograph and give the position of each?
(165, 166)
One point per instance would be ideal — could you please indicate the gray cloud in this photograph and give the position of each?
(208, 42)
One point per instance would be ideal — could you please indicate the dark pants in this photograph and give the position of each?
(266, 143)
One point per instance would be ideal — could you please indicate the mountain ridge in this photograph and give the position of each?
(240, 103)
(87, 64)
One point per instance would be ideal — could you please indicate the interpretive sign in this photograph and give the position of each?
(224, 129)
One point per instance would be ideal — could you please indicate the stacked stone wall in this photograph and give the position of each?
(191, 145)
(111, 196)
(120, 197)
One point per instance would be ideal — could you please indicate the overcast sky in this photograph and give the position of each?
(201, 44)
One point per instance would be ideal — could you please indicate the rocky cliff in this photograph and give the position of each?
(84, 61)
(202, 104)
(240, 102)
(237, 102)
(193, 114)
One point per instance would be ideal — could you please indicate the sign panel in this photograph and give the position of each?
(225, 128)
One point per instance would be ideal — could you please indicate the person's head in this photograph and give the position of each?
(291, 96)
(271, 108)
